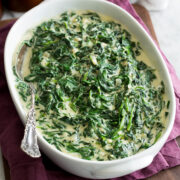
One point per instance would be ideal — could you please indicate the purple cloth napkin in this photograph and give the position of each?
(11, 131)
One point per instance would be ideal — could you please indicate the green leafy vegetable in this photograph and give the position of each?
(94, 96)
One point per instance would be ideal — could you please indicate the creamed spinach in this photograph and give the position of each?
(95, 96)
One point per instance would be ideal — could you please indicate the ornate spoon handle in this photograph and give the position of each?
(29, 143)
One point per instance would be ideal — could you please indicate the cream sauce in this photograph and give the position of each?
(68, 110)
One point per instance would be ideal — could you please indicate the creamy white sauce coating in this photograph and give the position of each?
(67, 108)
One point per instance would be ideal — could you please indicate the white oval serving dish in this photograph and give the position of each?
(80, 167)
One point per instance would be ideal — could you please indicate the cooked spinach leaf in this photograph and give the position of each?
(94, 94)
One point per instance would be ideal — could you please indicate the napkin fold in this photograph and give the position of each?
(11, 130)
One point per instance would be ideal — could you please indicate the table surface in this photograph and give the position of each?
(167, 27)
(169, 174)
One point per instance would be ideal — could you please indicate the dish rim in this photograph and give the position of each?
(145, 152)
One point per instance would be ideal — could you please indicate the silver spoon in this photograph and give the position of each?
(29, 142)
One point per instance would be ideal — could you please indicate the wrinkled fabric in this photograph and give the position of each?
(11, 130)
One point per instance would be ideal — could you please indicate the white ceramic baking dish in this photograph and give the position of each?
(80, 167)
